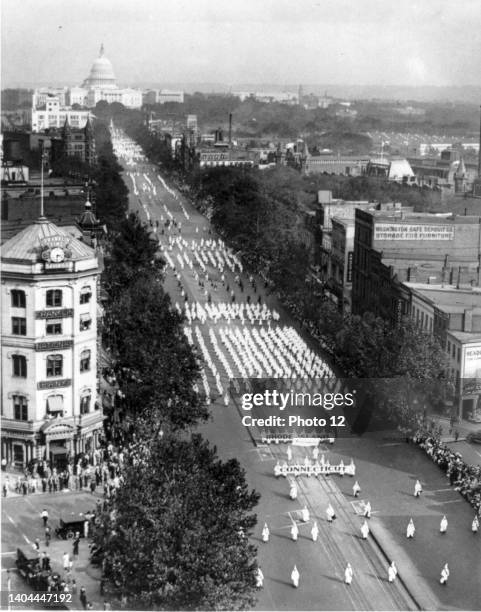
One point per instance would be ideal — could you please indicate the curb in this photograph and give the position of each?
(417, 589)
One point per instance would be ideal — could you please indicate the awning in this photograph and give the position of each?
(85, 317)
(85, 290)
(55, 403)
(58, 450)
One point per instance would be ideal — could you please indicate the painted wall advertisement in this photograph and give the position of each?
(472, 369)
(403, 231)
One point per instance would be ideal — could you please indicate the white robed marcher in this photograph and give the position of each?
(443, 526)
(259, 578)
(289, 453)
(367, 509)
(315, 453)
(294, 531)
(305, 514)
(295, 577)
(348, 573)
(392, 572)
(475, 525)
(331, 515)
(444, 574)
(293, 491)
(265, 533)
(356, 489)
(364, 530)
(410, 529)
(315, 532)
(417, 489)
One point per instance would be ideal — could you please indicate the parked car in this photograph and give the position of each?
(67, 528)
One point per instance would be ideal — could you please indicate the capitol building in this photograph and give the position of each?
(101, 84)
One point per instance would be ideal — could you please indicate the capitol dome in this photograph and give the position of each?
(101, 74)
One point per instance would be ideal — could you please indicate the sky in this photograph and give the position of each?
(343, 42)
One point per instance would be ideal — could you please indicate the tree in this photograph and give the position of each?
(176, 536)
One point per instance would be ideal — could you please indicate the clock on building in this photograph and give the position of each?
(57, 255)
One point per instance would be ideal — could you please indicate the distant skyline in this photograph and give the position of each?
(340, 42)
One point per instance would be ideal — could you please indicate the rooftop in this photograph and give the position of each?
(25, 246)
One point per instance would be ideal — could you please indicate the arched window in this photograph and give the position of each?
(19, 365)
(54, 297)
(54, 365)
(85, 322)
(85, 361)
(18, 298)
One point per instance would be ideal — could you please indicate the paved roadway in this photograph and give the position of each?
(386, 470)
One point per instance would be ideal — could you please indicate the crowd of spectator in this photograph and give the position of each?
(465, 478)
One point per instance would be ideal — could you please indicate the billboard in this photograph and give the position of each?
(403, 231)
(472, 362)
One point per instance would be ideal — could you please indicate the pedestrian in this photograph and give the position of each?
(295, 577)
(367, 510)
(86, 529)
(42, 561)
(44, 516)
(265, 533)
(315, 532)
(76, 543)
(259, 578)
(348, 573)
(475, 525)
(331, 515)
(417, 489)
(294, 531)
(444, 574)
(289, 453)
(356, 489)
(83, 597)
(66, 561)
(5, 490)
(392, 572)
(293, 491)
(305, 514)
(37, 544)
(47, 536)
(315, 453)
(364, 530)
(410, 529)
(47, 563)
(443, 526)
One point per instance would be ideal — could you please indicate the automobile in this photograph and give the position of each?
(27, 564)
(67, 528)
(474, 437)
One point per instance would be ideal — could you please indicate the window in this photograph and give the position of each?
(18, 298)
(459, 355)
(85, 295)
(54, 326)
(85, 404)
(85, 322)
(454, 351)
(54, 365)
(19, 365)
(85, 361)
(55, 405)
(20, 408)
(19, 326)
(54, 297)
(448, 350)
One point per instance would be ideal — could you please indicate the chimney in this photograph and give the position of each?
(468, 321)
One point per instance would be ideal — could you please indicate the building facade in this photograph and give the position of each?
(49, 402)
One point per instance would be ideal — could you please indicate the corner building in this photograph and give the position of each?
(49, 402)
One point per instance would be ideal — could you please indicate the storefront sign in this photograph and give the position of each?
(54, 346)
(54, 384)
(56, 313)
(401, 231)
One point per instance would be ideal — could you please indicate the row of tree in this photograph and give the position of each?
(175, 534)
